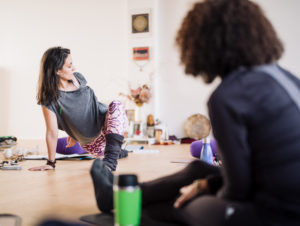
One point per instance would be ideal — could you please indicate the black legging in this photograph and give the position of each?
(159, 196)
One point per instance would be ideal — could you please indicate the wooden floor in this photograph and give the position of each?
(67, 193)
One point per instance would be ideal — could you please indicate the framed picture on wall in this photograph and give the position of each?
(140, 22)
(140, 53)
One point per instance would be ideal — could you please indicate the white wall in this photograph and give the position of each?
(137, 77)
(97, 32)
(178, 96)
(94, 30)
(285, 17)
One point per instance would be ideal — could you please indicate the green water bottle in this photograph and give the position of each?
(127, 200)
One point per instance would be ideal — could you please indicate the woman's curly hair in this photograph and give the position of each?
(218, 36)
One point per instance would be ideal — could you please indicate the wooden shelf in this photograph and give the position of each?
(140, 140)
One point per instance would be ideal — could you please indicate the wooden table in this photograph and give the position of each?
(67, 192)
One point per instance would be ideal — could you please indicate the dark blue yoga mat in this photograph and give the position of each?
(108, 220)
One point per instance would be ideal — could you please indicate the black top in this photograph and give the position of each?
(257, 126)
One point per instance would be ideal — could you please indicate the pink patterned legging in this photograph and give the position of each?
(115, 122)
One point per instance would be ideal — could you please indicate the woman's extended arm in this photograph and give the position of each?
(51, 138)
(51, 132)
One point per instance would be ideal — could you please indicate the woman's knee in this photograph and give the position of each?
(204, 210)
(116, 103)
(211, 210)
(197, 164)
(116, 107)
(200, 169)
(116, 119)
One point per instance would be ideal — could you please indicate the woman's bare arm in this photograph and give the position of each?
(51, 138)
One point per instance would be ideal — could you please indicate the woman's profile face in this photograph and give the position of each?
(66, 73)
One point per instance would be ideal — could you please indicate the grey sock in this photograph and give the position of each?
(103, 185)
(112, 150)
(123, 154)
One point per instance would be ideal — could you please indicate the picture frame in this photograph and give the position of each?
(140, 53)
(140, 23)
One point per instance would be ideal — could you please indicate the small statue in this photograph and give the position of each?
(150, 120)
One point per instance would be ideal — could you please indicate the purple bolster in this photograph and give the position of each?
(61, 147)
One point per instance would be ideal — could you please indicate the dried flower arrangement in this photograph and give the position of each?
(140, 95)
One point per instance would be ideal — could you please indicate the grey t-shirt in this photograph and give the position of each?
(79, 113)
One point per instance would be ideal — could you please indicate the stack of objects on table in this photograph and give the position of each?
(7, 141)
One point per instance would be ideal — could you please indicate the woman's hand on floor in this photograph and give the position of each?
(70, 142)
(41, 168)
(190, 191)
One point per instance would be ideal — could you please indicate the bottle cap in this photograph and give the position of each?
(124, 180)
(206, 140)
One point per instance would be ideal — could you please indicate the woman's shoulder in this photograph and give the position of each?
(238, 86)
(80, 78)
(50, 106)
(242, 80)
(249, 86)
(229, 86)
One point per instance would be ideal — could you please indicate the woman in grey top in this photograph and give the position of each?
(70, 105)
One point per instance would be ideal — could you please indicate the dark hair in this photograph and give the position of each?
(52, 60)
(218, 36)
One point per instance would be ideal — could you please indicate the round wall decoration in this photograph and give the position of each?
(197, 126)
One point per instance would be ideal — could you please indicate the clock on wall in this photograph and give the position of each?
(140, 23)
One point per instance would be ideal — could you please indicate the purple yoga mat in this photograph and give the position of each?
(196, 147)
(61, 147)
